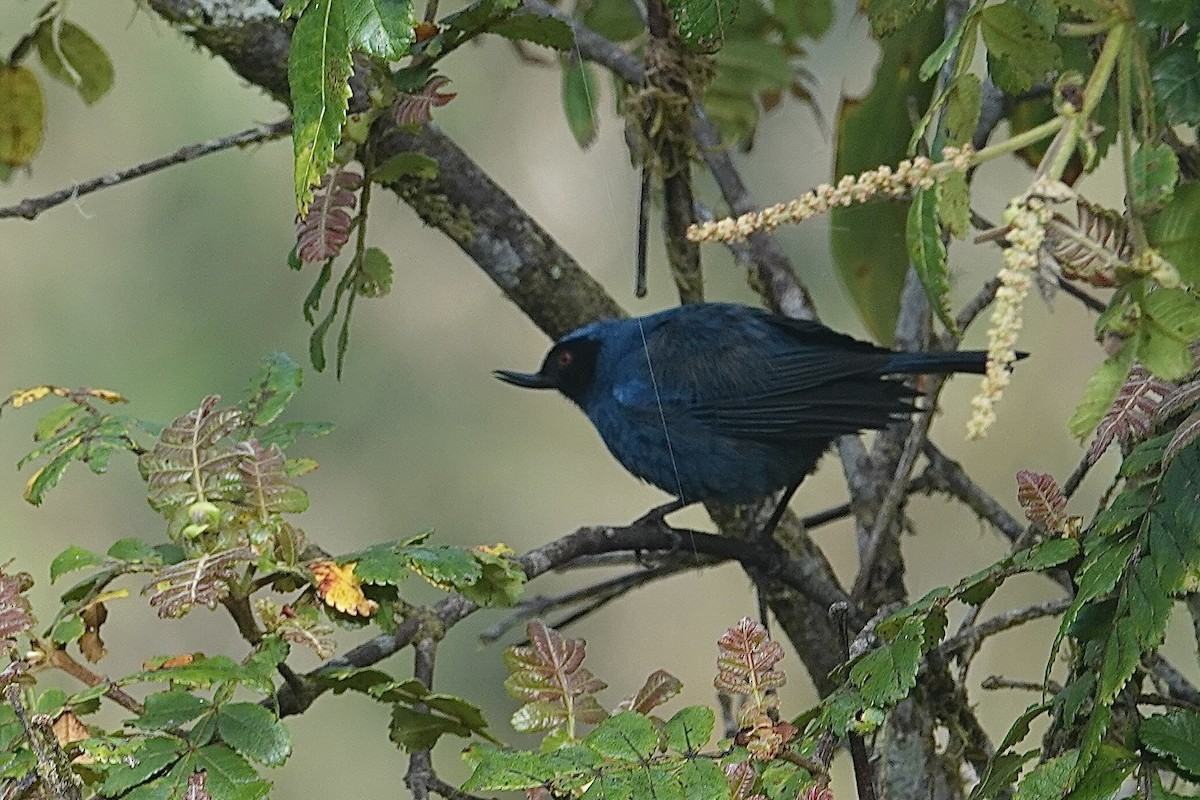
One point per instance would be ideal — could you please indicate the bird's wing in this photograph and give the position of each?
(778, 378)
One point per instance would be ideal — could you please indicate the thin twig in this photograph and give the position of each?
(994, 682)
(31, 207)
(420, 763)
(971, 637)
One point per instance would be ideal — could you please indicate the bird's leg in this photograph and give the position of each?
(658, 514)
(768, 530)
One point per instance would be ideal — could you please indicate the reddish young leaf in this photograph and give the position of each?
(15, 612)
(321, 233)
(1043, 501)
(745, 660)
(1132, 415)
(548, 675)
(416, 108)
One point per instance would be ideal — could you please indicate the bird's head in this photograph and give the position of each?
(570, 367)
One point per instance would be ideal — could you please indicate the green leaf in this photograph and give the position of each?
(1100, 392)
(1175, 76)
(964, 99)
(546, 31)
(501, 582)
(382, 28)
(580, 94)
(1170, 321)
(22, 115)
(1046, 555)
(72, 558)
(319, 72)
(867, 239)
(374, 274)
(1001, 771)
(201, 672)
(170, 709)
(889, 16)
(497, 770)
(1175, 231)
(1046, 780)
(67, 630)
(928, 254)
(48, 476)
(702, 779)
(1175, 736)
(272, 389)
(444, 566)
(72, 56)
(254, 732)
(153, 756)
(702, 24)
(135, 551)
(405, 165)
(1020, 52)
(419, 730)
(229, 774)
(689, 729)
(57, 420)
(938, 58)
(627, 736)
(1155, 171)
(888, 673)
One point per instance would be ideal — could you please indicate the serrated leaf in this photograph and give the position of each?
(319, 70)
(22, 115)
(228, 774)
(48, 475)
(1100, 392)
(689, 730)
(627, 736)
(1046, 780)
(58, 420)
(72, 558)
(1175, 232)
(170, 709)
(254, 732)
(418, 730)
(546, 31)
(1169, 323)
(444, 566)
(1175, 736)
(382, 28)
(272, 389)
(152, 756)
(134, 551)
(938, 58)
(928, 254)
(702, 24)
(889, 16)
(374, 277)
(1175, 76)
(964, 99)
(1155, 170)
(580, 96)
(498, 770)
(1020, 52)
(72, 56)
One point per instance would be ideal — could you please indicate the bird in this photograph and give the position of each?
(726, 402)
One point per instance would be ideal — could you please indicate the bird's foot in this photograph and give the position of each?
(658, 514)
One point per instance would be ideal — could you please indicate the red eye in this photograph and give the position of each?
(565, 358)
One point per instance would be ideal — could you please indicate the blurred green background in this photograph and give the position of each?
(173, 286)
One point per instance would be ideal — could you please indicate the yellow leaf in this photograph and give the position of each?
(22, 115)
(338, 586)
(23, 397)
(499, 549)
(107, 395)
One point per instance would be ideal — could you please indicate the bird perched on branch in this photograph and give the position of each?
(724, 402)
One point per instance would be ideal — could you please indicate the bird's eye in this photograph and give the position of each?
(564, 359)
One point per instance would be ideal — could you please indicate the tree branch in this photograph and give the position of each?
(31, 207)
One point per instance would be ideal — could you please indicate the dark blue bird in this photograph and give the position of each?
(717, 401)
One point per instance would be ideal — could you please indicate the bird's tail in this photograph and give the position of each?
(939, 362)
